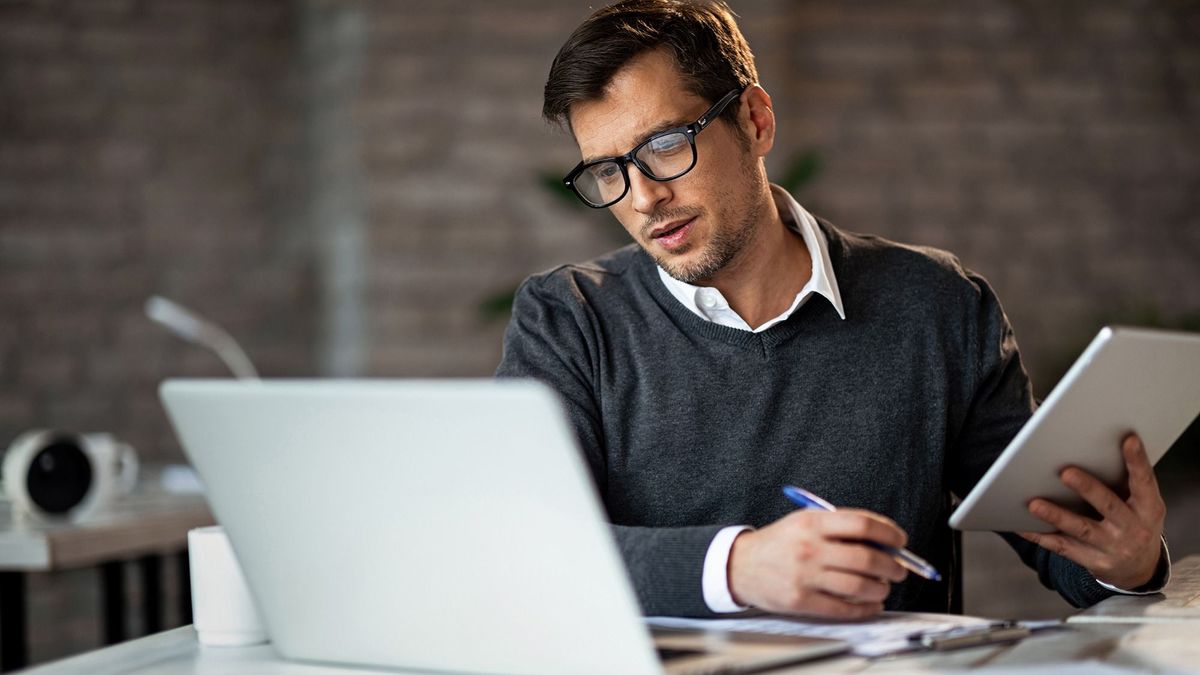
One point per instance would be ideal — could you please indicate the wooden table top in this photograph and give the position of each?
(147, 521)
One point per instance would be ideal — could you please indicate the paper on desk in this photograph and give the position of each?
(886, 634)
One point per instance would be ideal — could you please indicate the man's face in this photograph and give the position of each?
(698, 224)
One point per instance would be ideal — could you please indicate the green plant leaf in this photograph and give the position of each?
(553, 184)
(497, 305)
(802, 170)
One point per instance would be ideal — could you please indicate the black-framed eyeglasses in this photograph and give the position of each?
(664, 156)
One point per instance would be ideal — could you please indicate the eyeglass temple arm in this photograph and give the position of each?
(715, 111)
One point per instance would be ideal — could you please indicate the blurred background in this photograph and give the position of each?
(353, 188)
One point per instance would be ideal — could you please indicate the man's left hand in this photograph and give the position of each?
(1123, 547)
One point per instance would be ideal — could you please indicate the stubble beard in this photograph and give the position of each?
(727, 243)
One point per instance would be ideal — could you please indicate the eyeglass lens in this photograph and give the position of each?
(662, 158)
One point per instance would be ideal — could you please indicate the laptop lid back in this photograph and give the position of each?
(447, 525)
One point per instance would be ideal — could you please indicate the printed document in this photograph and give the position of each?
(886, 634)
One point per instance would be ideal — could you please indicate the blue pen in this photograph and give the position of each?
(906, 558)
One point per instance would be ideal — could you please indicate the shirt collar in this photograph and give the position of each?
(822, 280)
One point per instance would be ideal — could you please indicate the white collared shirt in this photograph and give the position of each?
(709, 304)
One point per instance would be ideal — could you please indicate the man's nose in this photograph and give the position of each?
(646, 194)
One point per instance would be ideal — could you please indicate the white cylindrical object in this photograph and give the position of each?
(223, 611)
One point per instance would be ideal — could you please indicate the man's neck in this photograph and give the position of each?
(762, 282)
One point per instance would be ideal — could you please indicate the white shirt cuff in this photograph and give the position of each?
(715, 579)
(1166, 555)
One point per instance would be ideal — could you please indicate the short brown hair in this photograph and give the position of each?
(702, 36)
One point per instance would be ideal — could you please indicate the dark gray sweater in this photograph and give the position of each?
(689, 426)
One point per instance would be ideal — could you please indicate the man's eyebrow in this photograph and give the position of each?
(656, 129)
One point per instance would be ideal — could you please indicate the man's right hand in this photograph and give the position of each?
(814, 563)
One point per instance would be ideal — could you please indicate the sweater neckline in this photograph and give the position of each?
(647, 272)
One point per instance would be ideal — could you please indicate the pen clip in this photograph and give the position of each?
(970, 636)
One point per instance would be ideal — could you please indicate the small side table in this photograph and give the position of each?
(144, 526)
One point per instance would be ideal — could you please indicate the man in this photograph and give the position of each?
(741, 344)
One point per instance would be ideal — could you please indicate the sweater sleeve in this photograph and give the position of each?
(553, 337)
(1000, 401)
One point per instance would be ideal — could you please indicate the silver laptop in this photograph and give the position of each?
(431, 525)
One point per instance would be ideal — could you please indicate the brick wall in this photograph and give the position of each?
(153, 147)
(145, 147)
(1053, 146)
(1050, 145)
(199, 149)
(456, 210)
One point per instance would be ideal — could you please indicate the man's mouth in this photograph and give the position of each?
(671, 228)
(674, 235)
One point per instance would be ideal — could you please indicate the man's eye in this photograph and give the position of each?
(606, 172)
(668, 144)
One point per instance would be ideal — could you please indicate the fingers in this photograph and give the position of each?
(1079, 527)
(1065, 547)
(1143, 486)
(1107, 503)
(794, 566)
(1129, 565)
(829, 606)
(862, 525)
(863, 561)
(1145, 502)
(1121, 548)
(853, 587)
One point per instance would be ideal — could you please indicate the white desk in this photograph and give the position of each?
(1165, 645)
(144, 525)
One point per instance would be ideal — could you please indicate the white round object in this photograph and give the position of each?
(54, 475)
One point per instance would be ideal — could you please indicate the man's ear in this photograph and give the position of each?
(757, 119)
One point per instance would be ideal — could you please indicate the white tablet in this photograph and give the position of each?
(1128, 379)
